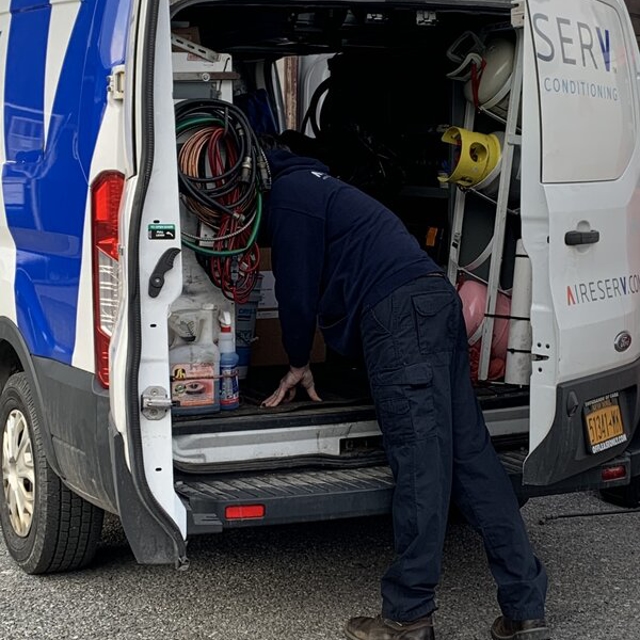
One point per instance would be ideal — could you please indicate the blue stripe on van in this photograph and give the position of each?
(46, 188)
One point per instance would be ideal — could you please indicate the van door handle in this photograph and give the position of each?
(575, 238)
(156, 281)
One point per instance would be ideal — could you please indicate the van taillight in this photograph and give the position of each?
(106, 193)
(614, 473)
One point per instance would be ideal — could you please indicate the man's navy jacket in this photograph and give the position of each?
(335, 252)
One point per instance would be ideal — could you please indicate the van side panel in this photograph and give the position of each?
(7, 245)
(59, 129)
(580, 227)
(45, 178)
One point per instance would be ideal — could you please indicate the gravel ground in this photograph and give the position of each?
(303, 582)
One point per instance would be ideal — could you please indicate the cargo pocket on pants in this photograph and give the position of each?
(435, 323)
(404, 403)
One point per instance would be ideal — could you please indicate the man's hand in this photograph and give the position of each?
(286, 392)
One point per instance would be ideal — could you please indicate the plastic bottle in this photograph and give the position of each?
(195, 365)
(229, 391)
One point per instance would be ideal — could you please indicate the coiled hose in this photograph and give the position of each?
(222, 173)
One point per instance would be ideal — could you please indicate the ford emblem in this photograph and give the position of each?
(622, 341)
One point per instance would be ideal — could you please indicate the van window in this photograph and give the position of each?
(587, 97)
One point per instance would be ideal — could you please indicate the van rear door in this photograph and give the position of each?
(153, 516)
(581, 229)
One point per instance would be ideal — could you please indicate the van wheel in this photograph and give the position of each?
(46, 527)
(627, 497)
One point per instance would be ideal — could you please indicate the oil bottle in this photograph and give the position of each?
(195, 362)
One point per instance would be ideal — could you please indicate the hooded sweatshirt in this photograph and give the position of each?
(335, 253)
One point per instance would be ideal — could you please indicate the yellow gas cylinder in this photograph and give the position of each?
(478, 155)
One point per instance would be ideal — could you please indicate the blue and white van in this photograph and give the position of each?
(100, 247)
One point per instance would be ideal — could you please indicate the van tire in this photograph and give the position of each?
(627, 496)
(65, 529)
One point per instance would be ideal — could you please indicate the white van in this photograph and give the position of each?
(111, 112)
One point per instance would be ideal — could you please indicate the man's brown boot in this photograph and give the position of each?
(381, 629)
(505, 629)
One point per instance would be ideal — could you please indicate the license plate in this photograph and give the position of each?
(603, 422)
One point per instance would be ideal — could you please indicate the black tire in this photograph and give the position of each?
(627, 496)
(65, 529)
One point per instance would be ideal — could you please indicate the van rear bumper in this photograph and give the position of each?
(627, 465)
(305, 496)
(76, 416)
(563, 454)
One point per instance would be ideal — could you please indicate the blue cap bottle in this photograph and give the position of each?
(229, 388)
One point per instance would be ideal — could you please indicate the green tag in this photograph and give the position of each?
(162, 232)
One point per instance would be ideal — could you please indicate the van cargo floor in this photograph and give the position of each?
(343, 389)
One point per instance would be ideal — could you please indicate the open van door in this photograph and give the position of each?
(581, 229)
(153, 516)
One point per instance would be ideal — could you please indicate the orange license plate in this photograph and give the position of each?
(603, 422)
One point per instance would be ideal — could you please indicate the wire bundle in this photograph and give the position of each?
(222, 173)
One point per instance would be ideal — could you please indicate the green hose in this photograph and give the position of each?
(193, 121)
(234, 252)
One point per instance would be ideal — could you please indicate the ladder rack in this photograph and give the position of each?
(512, 139)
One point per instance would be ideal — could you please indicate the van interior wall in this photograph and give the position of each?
(379, 128)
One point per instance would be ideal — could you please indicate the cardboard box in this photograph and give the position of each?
(267, 350)
(268, 304)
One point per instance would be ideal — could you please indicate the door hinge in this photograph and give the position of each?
(155, 403)
(517, 14)
(116, 83)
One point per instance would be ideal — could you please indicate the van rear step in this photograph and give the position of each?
(219, 502)
(288, 496)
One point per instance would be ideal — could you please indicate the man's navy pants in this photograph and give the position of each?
(438, 447)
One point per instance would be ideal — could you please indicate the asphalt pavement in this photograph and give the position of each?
(302, 582)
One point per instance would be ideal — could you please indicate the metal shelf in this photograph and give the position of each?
(484, 196)
(512, 139)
